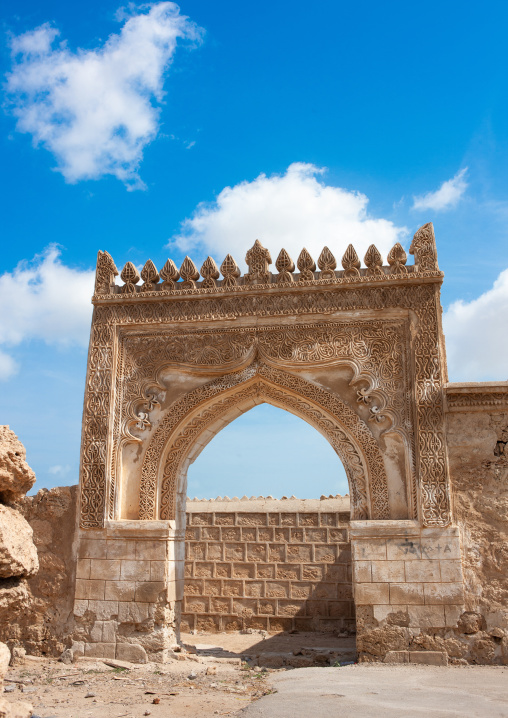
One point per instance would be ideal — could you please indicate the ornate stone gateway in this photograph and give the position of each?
(357, 353)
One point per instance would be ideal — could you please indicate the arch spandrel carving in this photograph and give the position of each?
(198, 410)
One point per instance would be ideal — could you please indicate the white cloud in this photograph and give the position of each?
(44, 300)
(446, 197)
(59, 470)
(96, 110)
(476, 336)
(293, 210)
(8, 366)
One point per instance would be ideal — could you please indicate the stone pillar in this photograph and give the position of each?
(129, 589)
(408, 589)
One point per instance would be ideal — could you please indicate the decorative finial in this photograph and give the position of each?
(373, 262)
(351, 262)
(327, 264)
(105, 273)
(285, 267)
(306, 265)
(210, 273)
(130, 276)
(397, 259)
(258, 259)
(230, 272)
(170, 274)
(150, 276)
(189, 274)
(424, 249)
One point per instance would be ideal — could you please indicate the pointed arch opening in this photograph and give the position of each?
(195, 419)
(267, 451)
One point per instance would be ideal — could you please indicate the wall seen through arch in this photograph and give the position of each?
(267, 451)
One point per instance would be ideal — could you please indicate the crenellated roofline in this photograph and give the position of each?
(171, 281)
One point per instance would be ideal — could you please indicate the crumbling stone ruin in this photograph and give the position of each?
(415, 560)
(18, 555)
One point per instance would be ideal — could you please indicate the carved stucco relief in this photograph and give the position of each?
(190, 416)
(422, 299)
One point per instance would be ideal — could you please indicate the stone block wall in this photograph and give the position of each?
(274, 565)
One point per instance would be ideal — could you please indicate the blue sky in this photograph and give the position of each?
(122, 128)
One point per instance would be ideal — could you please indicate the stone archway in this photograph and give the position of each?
(358, 353)
(167, 455)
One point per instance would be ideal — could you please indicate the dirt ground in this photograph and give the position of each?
(219, 674)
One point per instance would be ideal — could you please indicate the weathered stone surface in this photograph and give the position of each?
(379, 641)
(35, 613)
(470, 622)
(18, 555)
(5, 659)
(16, 477)
(20, 709)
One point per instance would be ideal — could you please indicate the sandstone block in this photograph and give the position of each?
(211, 588)
(301, 590)
(277, 589)
(256, 552)
(83, 568)
(451, 570)
(325, 554)
(406, 549)
(148, 591)
(396, 657)
(407, 593)
(121, 548)
(429, 658)
(157, 570)
(18, 555)
(103, 568)
(92, 548)
(209, 533)
(362, 571)
(100, 650)
(371, 550)
(444, 593)
(372, 594)
(91, 589)
(135, 570)
(147, 550)
(423, 571)
(388, 571)
(292, 573)
(103, 610)
(243, 570)
(132, 652)
(251, 519)
(299, 553)
(266, 534)
(254, 589)
(399, 612)
(234, 552)
(441, 548)
(249, 534)
(265, 571)
(16, 477)
(426, 616)
(231, 534)
(132, 612)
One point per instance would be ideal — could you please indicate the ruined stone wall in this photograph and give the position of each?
(42, 621)
(478, 456)
(268, 564)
